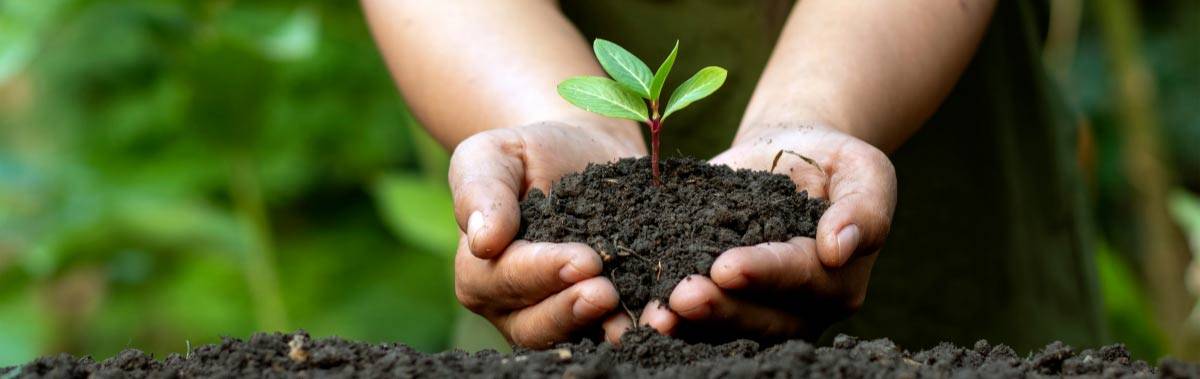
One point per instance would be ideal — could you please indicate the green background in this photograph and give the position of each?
(176, 171)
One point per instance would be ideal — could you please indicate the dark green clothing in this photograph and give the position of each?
(990, 235)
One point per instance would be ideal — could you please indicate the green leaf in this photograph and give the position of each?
(603, 96)
(624, 67)
(699, 86)
(660, 76)
(418, 210)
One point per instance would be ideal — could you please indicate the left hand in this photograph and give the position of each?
(794, 289)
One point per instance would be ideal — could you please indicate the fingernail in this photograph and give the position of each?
(571, 272)
(474, 224)
(848, 241)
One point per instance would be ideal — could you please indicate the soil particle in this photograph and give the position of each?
(642, 354)
(651, 237)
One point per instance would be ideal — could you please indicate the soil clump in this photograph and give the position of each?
(652, 237)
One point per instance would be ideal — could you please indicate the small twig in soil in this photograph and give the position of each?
(296, 349)
(613, 276)
(775, 162)
(564, 354)
(631, 252)
(631, 315)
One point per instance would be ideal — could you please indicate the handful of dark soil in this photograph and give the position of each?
(652, 237)
(643, 354)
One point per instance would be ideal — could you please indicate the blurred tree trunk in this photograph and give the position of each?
(1160, 243)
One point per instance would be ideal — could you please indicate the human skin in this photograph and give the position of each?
(847, 82)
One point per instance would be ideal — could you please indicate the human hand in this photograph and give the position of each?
(536, 294)
(795, 288)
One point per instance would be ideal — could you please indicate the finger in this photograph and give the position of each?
(559, 316)
(862, 188)
(660, 318)
(486, 173)
(525, 274)
(785, 267)
(615, 326)
(699, 300)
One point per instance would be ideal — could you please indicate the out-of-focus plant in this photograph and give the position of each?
(1133, 82)
(175, 171)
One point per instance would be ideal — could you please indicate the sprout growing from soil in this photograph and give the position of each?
(634, 92)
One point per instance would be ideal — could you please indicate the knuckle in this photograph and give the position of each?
(467, 298)
(804, 264)
(511, 146)
(472, 143)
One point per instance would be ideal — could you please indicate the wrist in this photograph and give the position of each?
(754, 131)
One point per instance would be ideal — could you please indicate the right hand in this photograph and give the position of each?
(536, 294)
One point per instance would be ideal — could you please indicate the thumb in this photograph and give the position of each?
(862, 187)
(486, 172)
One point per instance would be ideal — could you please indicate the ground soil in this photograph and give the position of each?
(642, 354)
(651, 237)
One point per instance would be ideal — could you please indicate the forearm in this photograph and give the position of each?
(467, 66)
(875, 70)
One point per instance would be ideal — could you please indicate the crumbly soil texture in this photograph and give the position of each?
(651, 237)
(642, 354)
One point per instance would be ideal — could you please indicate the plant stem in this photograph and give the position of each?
(655, 125)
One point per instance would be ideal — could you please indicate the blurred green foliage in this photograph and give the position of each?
(1167, 37)
(172, 171)
(175, 171)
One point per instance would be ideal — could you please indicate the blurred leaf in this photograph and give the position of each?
(1185, 207)
(23, 22)
(22, 327)
(418, 211)
(295, 39)
(434, 161)
(1129, 317)
(473, 333)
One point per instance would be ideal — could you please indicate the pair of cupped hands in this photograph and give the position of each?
(538, 294)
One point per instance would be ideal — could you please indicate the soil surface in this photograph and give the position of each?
(651, 237)
(642, 354)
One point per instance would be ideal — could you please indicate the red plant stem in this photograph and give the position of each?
(655, 125)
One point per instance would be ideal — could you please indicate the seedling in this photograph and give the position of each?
(634, 92)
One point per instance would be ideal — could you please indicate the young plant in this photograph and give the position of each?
(634, 92)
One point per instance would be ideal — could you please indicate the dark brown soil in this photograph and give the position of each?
(651, 237)
(645, 354)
